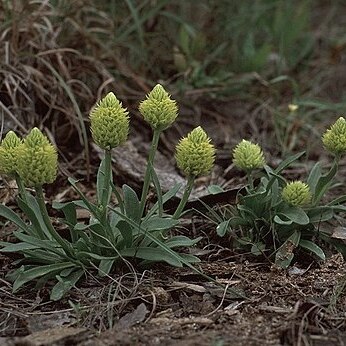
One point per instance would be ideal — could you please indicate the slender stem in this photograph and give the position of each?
(21, 188)
(187, 192)
(152, 152)
(106, 183)
(46, 219)
(250, 180)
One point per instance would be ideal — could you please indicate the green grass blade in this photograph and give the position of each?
(82, 131)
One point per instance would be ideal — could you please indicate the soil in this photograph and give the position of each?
(261, 305)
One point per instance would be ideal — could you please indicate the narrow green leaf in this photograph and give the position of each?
(156, 223)
(50, 245)
(100, 182)
(69, 210)
(190, 258)
(181, 241)
(131, 204)
(118, 197)
(105, 266)
(38, 228)
(99, 257)
(294, 214)
(222, 228)
(339, 200)
(10, 215)
(215, 189)
(65, 284)
(247, 211)
(42, 256)
(126, 232)
(284, 255)
(18, 247)
(275, 194)
(154, 254)
(70, 213)
(37, 272)
(320, 214)
(215, 217)
(314, 177)
(309, 245)
(257, 249)
(158, 189)
(324, 183)
(166, 197)
(91, 207)
(277, 219)
(288, 161)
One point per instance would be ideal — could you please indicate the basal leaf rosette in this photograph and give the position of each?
(8, 153)
(248, 156)
(109, 122)
(195, 154)
(159, 110)
(37, 160)
(334, 139)
(297, 193)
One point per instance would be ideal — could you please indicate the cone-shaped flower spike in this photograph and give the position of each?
(37, 160)
(109, 122)
(248, 156)
(334, 139)
(195, 155)
(296, 193)
(8, 153)
(159, 110)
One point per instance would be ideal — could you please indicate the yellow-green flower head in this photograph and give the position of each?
(159, 110)
(37, 159)
(334, 139)
(248, 156)
(195, 155)
(296, 193)
(109, 122)
(8, 153)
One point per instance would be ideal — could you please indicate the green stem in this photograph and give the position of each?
(106, 183)
(46, 219)
(152, 152)
(183, 201)
(21, 188)
(250, 180)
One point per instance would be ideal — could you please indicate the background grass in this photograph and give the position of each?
(60, 56)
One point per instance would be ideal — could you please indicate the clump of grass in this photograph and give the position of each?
(58, 53)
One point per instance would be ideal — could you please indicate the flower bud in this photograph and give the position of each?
(109, 122)
(292, 107)
(334, 139)
(195, 155)
(248, 156)
(37, 159)
(296, 193)
(8, 153)
(158, 109)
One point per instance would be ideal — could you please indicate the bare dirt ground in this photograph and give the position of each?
(262, 306)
